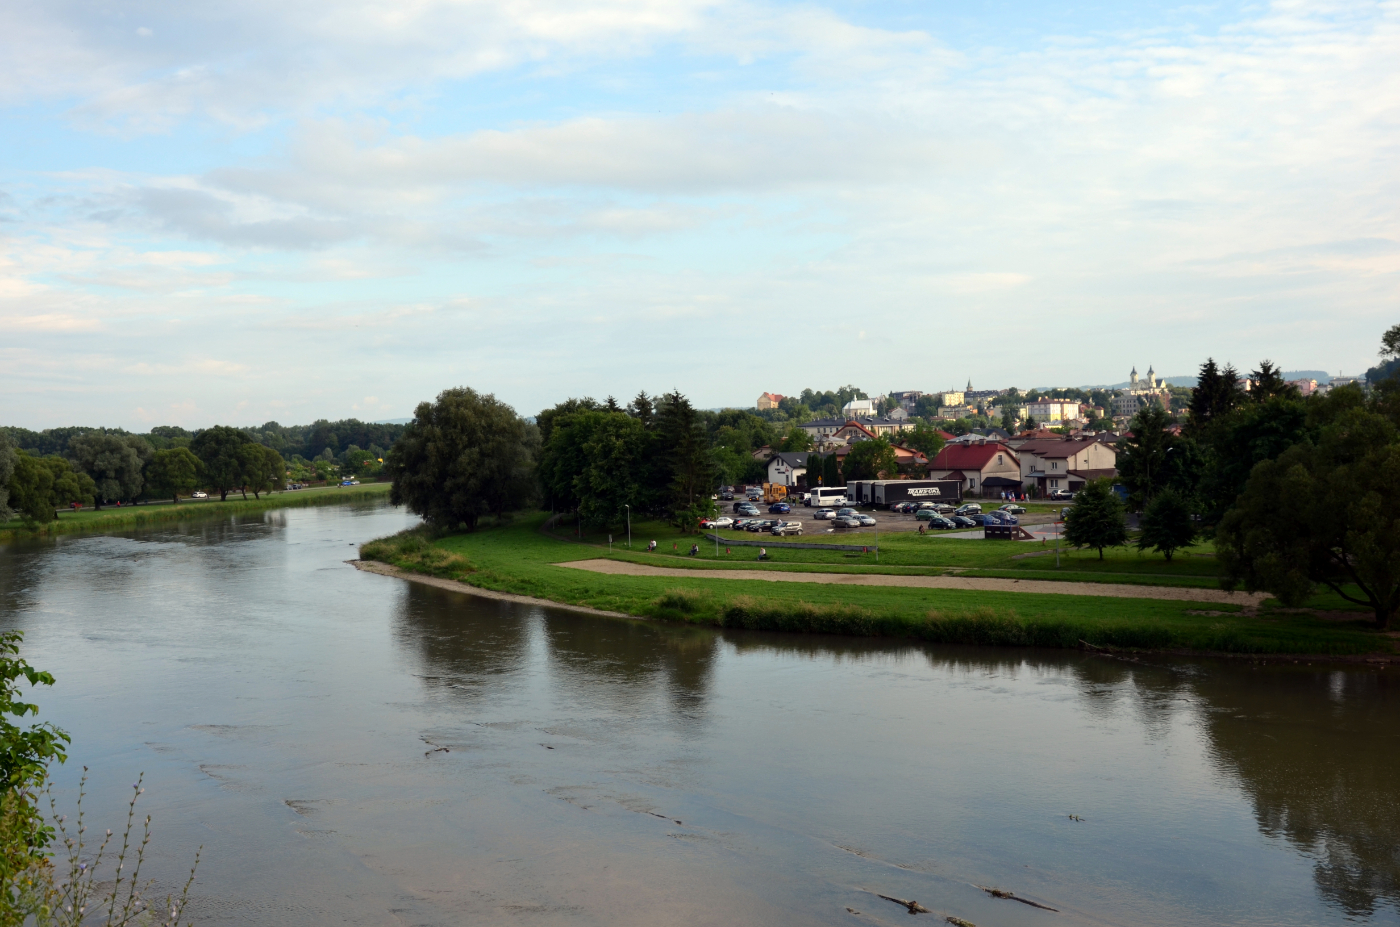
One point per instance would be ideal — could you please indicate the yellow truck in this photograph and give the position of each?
(774, 492)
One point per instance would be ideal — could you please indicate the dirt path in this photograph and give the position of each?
(1108, 590)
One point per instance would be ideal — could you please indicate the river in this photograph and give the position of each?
(287, 711)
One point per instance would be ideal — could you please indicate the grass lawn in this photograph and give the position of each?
(112, 518)
(518, 558)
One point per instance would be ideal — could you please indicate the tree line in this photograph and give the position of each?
(101, 467)
(1298, 493)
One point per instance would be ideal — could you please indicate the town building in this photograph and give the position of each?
(769, 401)
(988, 467)
(787, 467)
(1054, 410)
(1054, 462)
(844, 430)
(1140, 394)
(860, 407)
(1304, 387)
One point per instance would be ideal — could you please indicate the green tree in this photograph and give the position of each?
(1268, 382)
(869, 459)
(1144, 455)
(795, 439)
(1167, 525)
(69, 485)
(464, 456)
(923, 438)
(1254, 432)
(1322, 514)
(1216, 394)
(218, 451)
(7, 470)
(1096, 519)
(614, 466)
(173, 471)
(113, 463)
(831, 471)
(261, 469)
(683, 443)
(31, 489)
(1009, 414)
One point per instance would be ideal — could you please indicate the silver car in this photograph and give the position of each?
(823, 514)
(786, 528)
(846, 521)
(866, 520)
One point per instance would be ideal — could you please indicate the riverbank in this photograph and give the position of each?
(519, 559)
(135, 516)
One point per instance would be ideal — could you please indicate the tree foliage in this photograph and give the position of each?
(218, 451)
(1167, 525)
(114, 463)
(7, 470)
(1216, 394)
(1150, 458)
(464, 456)
(1324, 513)
(923, 438)
(868, 460)
(1096, 520)
(173, 471)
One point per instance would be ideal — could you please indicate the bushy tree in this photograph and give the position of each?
(7, 469)
(218, 451)
(923, 438)
(795, 439)
(113, 462)
(464, 456)
(868, 459)
(1167, 525)
(261, 469)
(1216, 394)
(173, 471)
(31, 489)
(1322, 514)
(1096, 519)
(1151, 459)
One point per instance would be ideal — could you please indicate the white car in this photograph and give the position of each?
(866, 520)
(724, 521)
(200, 494)
(823, 514)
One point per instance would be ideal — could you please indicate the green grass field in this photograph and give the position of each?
(518, 558)
(131, 516)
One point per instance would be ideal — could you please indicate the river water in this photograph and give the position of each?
(286, 709)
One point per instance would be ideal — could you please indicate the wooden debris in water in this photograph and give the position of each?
(913, 906)
(1011, 896)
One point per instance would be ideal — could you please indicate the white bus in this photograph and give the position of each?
(828, 497)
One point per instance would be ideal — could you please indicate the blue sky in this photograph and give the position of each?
(240, 212)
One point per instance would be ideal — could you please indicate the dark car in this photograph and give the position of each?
(1013, 509)
(962, 521)
(762, 524)
(740, 524)
(941, 523)
(977, 518)
(779, 508)
(727, 496)
(969, 508)
(904, 508)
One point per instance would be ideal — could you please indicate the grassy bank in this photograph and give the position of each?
(517, 558)
(135, 516)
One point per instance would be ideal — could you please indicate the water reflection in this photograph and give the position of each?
(1317, 751)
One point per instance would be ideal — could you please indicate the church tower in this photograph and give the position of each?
(1151, 378)
(1133, 379)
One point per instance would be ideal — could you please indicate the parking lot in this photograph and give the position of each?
(1039, 524)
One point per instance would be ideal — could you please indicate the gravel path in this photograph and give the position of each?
(1109, 590)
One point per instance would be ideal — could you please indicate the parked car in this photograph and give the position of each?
(724, 521)
(846, 521)
(779, 508)
(981, 520)
(866, 520)
(925, 515)
(727, 496)
(904, 508)
(1013, 509)
(968, 508)
(846, 511)
(762, 524)
(199, 494)
(755, 496)
(1061, 494)
(746, 508)
(807, 499)
(786, 528)
(942, 508)
(823, 514)
(941, 523)
(740, 524)
(962, 521)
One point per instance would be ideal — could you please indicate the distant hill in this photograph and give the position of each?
(1321, 376)
(393, 421)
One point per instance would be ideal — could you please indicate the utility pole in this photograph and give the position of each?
(629, 524)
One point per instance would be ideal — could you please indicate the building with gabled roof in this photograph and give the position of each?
(985, 467)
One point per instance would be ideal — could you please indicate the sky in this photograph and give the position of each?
(241, 212)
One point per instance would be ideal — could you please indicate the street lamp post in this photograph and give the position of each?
(629, 524)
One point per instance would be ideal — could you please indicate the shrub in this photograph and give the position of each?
(413, 550)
